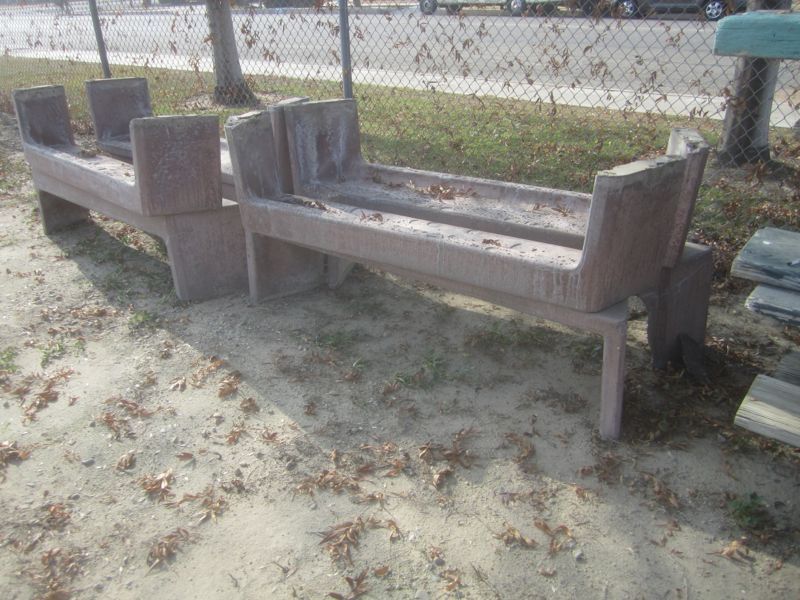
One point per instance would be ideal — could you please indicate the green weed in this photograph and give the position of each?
(53, 350)
(7, 358)
(433, 368)
(142, 319)
(336, 340)
(503, 337)
(751, 513)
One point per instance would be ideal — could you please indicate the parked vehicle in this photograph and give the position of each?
(515, 7)
(712, 10)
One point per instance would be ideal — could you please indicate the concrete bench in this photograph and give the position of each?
(113, 103)
(172, 190)
(570, 258)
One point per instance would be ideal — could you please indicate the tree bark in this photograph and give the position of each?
(231, 89)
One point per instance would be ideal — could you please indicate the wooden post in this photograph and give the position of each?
(745, 135)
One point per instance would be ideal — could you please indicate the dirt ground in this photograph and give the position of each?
(385, 439)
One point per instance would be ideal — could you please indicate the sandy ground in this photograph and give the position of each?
(421, 444)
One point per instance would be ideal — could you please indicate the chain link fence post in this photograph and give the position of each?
(344, 34)
(98, 34)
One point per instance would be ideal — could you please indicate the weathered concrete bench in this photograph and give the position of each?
(113, 103)
(172, 190)
(567, 257)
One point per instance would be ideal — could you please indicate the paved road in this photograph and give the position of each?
(645, 64)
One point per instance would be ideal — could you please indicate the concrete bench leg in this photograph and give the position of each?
(58, 213)
(277, 269)
(679, 307)
(338, 270)
(207, 253)
(613, 380)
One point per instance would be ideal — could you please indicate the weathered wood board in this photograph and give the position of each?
(775, 302)
(789, 369)
(761, 34)
(771, 256)
(772, 408)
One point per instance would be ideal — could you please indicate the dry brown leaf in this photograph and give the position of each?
(378, 498)
(165, 549)
(198, 378)
(394, 530)
(126, 461)
(268, 436)
(512, 537)
(381, 572)
(396, 467)
(229, 384)
(119, 426)
(664, 495)
(560, 537)
(340, 538)
(58, 515)
(158, 486)
(453, 579)
(249, 405)
(357, 586)
(736, 551)
(439, 477)
(526, 449)
(11, 453)
(132, 408)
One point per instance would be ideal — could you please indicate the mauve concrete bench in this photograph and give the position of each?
(113, 103)
(517, 246)
(172, 190)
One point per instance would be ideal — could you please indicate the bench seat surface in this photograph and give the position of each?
(461, 206)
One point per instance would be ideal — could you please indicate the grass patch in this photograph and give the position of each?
(143, 320)
(511, 140)
(7, 358)
(53, 350)
(431, 370)
(502, 337)
(750, 513)
(337, 340)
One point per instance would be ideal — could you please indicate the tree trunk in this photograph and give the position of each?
(231, 89)
(745, 131)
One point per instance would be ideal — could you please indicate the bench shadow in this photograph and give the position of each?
(451, 383)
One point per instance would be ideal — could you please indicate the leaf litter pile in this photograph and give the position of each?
(232, 437)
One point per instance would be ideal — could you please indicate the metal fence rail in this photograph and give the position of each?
(552, 54)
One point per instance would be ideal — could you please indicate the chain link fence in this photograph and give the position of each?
(616, 59)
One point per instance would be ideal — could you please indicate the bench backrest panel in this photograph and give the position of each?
(629, 229)
(252, 147)
(43, 116)
(689, 144)
(324, 141)
(177, 163)
(113, 103)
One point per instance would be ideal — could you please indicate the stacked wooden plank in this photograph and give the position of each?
(772, 405)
